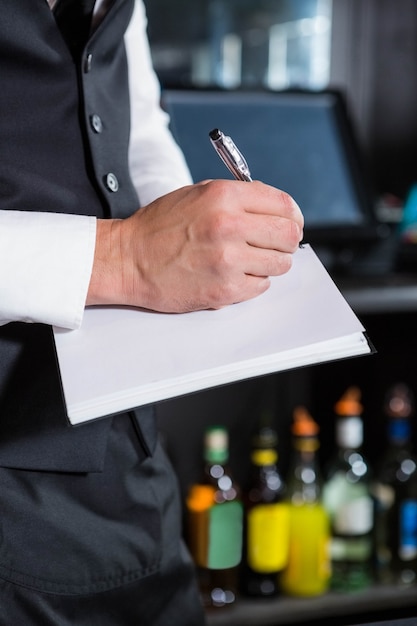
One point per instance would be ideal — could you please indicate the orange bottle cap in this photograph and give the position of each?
(304, 425)
(349, 403)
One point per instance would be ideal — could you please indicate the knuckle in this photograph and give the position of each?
(291, 210)
(287, 235)
(220, 190)
(222, 225)
(223, 261)
(222, 294)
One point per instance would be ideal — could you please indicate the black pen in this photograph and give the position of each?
(230, 155)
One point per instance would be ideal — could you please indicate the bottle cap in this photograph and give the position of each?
(305, 430)
(304, 425)
(216, 444)
(266, 437)
(349, 403)
(399, 401)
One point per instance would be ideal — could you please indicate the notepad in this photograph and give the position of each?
(122, 358)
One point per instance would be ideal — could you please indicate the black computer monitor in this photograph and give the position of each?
(301, 142)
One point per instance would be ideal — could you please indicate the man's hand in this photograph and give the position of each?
(199, 247)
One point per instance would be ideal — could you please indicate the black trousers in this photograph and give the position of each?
(96, 549)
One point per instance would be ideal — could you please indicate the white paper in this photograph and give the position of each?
(123, 357)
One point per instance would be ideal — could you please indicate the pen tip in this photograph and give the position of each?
(214, 134)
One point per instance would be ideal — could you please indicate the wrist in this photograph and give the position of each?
(106, 285)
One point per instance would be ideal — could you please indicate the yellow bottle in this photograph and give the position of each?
(308, 569)
(266, 520)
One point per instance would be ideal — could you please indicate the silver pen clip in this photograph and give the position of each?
(230, 155)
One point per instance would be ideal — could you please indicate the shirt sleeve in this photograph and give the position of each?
(46, 258)
(45, 266)
(157, 165)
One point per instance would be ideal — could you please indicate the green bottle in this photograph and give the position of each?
(215, 523)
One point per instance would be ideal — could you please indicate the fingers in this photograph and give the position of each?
(274, 201)
(272, 232)
(203, 246)
(235, 261)
(270, 216)
(259, 240)
(268, 263)
(248, 288)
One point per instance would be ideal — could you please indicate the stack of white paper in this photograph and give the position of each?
(123, 357)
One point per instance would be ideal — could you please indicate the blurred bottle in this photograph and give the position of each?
(215, 523)
(266, 519)
(348, 500)
(395, 492)
(308, 570)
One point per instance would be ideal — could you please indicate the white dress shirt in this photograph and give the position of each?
(46, 258)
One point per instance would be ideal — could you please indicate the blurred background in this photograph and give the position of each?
(366, 50)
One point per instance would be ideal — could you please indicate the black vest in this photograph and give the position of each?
(64, 132)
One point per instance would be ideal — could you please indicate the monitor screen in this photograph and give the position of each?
(300, 142)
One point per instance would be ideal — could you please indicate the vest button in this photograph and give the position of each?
(88, 63)
(112, 183)
(96, 123)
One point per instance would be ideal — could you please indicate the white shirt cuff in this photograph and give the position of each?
(46, 261)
